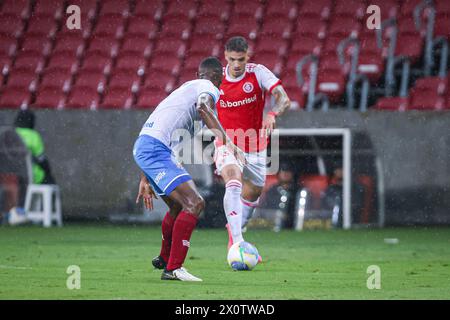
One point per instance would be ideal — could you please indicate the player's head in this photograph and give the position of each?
(25, 119)
(211, 69)
(236, 54)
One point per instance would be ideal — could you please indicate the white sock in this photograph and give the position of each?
(248, 208)
(233, 208)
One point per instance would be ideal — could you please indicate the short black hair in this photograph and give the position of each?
(25, 119)
(238, 44)
(212, 64)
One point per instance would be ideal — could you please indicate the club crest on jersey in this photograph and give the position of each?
(247, 87)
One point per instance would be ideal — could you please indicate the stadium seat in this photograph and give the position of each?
(425, 100)
(442, 26)
(243, 24)
(316, 185)
(138, 45)
(8, 45)
(344, 27)
(142, 27)
(321, 8)
(310, 26)
(89, 10)
(49, 8)
(111, 25)
(108, 7)
(151, 10)
(91, 78)
(18, 8)
(64, 61)
(388, 8)
(15, 97)
(69, 43)
(206, 45)
(22, 78)
(36, 44)
(187, 75)
(159, 81)
(392, 103)
(98, 61)
(281, 10)
(272, 60)
(209, 26)
(30, 61)
(349, 8)
(274, 28)
(56, 78)
(50, 97)
(250, 7)
(170, 45)
(217, 8)
(42, 25)
(165, 64)
(122, 86)
(83, 97)
(176, 26)
(303, 45)
(11, 26)
(131, 61)
(186, 9)
(105, 45)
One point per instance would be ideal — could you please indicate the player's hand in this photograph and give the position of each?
(147, 194)
(268, 125)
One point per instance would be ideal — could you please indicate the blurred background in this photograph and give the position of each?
(91, 89)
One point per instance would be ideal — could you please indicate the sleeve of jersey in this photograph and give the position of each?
(210, 89)
(266, 78)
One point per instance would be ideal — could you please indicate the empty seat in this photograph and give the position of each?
(243, 24)
(11, 25)
(19, 8)
(104, 45)
(218, 9)
(304, 45)
(352, 8)
(93, 79)
(22, 78)
(150, 97)
(111, 25)
(8, 45)
(115, 7)
(15, 97)
(69, 43)
(277, 10)
(142, 26)
(344, 27)
(56, 78)
(37, 44)
(271, 60)
(321, 8)
(421, 99)
(271, 44)
(29, 61)
(276, 28)
(442, 25)
(131, 61)
(98, 61)
(151, 10)
(165, 64)
(121, 89)
(88, 7)
(83, 97)
(310, 26)
(206, 45)
(50, 8)
(137, 45)
(64, 61)
(41, 25)
(170, 45)
(50, 97)
(249, 7)
(388, 8)
(392, 104)
(176, 26)
(186, 9)
(209, 26)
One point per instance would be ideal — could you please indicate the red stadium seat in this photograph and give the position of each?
(69, 43)
(122, 87)
(351, 8)
(218, 9)
(42, 25)
(5, 66)
(166, 64)
(50, 97)
(275, 28)
(56, 78)
(176, 26)
(88, 7)
(63, 61)
(115, 7)
(83, 97)
(250, 7)
(98, 61)
(170, 45)
(316, 185)
(186, 9)
(193, 60)
(111, 25)
(22, 78)
(131, 61)
(442, 25)
(8, 45)
(272, 60)
(206, 45)
(344, 27)
(187, 75)
(392, 104)
(162, 81)
(303, 45)
(320, 8)
(30, 61)
(93, 79)
(51, 8)
(243, 24)
(421, 99)
(281, 10)
(207, 26)
(272, 44)
(138, 45)
(36, 44)
(388, 8)
(150, 97)
(11, 26)
(310, 26)
(105, 45)
(15, 97)
(151, 10)
(19, 8)
(142, 27)
(408, 6)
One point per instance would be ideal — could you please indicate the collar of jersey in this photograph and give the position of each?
(229, 78)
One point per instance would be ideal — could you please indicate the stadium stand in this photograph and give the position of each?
(157, 44)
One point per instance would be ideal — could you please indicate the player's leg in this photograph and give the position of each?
(192, 204)
(160, 262)
(250, 199)
(228, 167)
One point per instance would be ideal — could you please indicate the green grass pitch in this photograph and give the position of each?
(115, 263)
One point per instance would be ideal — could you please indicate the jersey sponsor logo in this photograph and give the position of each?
(160, 176)
(247, 87)
(148, 124)
(231, 104)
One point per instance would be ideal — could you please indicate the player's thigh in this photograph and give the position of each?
(227, 165)
(188, 197)
(231, 172)
(254, 176)
(250, 192)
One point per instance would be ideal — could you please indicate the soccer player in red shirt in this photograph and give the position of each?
(241, 112)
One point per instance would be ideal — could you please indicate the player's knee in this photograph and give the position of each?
(195, 205)
(231, 172)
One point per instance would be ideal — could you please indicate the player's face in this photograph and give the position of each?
(236, 62)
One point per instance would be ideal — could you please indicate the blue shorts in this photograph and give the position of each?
(159, 165)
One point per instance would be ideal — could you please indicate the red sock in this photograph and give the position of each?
(181, 235)
(167, 228)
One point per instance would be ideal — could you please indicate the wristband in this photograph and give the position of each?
(273, 113)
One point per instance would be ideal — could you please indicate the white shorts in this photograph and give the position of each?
(254, 171)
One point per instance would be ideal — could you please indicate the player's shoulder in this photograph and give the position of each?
(256, 68)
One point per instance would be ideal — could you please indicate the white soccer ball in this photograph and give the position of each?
(242, 256)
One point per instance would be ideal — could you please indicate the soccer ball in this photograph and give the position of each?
(242, 256)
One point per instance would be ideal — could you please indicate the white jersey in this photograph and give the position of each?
(178, 111)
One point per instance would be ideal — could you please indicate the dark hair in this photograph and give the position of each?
(238, 44)
(25, 119)
(211, 63)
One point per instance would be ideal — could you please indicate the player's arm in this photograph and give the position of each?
(205, 106)
(282, 103)
(146, 192)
